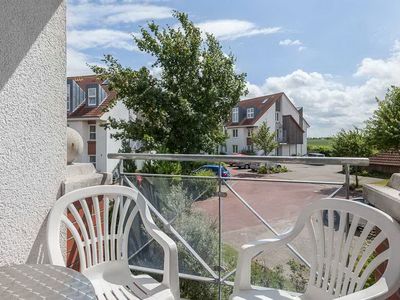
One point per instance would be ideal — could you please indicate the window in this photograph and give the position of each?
(92, 132)
(277, 116)
(250, 113)
(235, 148)
(92, 159)
(92, 96)
(249, 132)
(68, 97)
(250, 148)
(234, 132)
(235, 114)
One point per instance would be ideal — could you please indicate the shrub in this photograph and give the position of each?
(299, 275)
(204, 187)
(273, 170)
(162, 167)
(327, 150)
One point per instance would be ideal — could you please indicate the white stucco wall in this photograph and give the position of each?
(32, 123)
(119, 112)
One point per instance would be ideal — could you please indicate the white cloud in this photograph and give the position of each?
(103, 38)
(234, 29)
(88, 13)
(77, 63)
(330, 105)
(289, 42)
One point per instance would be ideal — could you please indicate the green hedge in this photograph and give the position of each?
(327, 150)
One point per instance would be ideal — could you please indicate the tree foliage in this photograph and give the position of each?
(183, 108)
(264, 139)
(352, 143)
(384, 126)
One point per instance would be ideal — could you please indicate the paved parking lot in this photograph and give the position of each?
(277, 203)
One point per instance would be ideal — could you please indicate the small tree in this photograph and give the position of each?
(383, 127)
(264, 139)
(182, 109)
(352, 143)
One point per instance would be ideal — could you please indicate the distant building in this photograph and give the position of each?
(88, 99)
(281, 117)
(385, 162)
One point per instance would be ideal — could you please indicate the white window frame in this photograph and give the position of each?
(92, 96)
(68, 97)
(92, 132)
(235, 115)
(235, 147)
(235, 133)
(250, 113)
(249, 132)
(92, 161)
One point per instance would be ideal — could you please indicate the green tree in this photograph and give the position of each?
(352, 143)
(383, 127)
(264, 139)
(182, 109)
(129, 165)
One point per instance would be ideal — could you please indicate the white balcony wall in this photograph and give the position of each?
(32, 123)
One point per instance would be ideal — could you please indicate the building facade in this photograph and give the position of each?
(280, 115)
(88, 110)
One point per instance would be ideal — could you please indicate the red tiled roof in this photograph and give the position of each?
(386, 159)
(84, 111)
(262, 103)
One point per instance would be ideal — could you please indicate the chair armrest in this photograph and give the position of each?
(171, 270)
(249, 250)
(377, 291)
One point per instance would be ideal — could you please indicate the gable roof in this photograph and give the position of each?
(84, 111)
(262, 104)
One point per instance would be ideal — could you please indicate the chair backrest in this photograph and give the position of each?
(99, 219)
(346, 236)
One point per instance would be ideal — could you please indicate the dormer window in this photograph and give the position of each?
(235, 114)
(68, 97)
(92, 96)
(250, 113)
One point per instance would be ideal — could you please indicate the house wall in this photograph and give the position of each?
(101, 147)
(33, 124)
(287, 108)
(120, 112)
(240, 140)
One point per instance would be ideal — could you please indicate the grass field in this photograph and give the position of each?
(320, 142)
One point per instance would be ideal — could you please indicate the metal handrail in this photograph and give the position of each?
(354, 161)
(346, 162)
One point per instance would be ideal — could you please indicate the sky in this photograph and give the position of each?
(331, 57)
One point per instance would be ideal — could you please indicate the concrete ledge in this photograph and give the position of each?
(84, 175)
(386, 198)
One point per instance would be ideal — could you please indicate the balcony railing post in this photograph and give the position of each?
(347, 180)
(121, 171)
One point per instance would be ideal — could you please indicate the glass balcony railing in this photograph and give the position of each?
(210, 217)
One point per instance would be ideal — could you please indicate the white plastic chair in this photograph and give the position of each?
(341, 260)
(103, 249)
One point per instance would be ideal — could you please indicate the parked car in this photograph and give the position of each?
(254, 166)
(316, 154)
(234, 164)
(215, 169)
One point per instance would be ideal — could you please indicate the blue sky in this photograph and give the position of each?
(331, 57)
